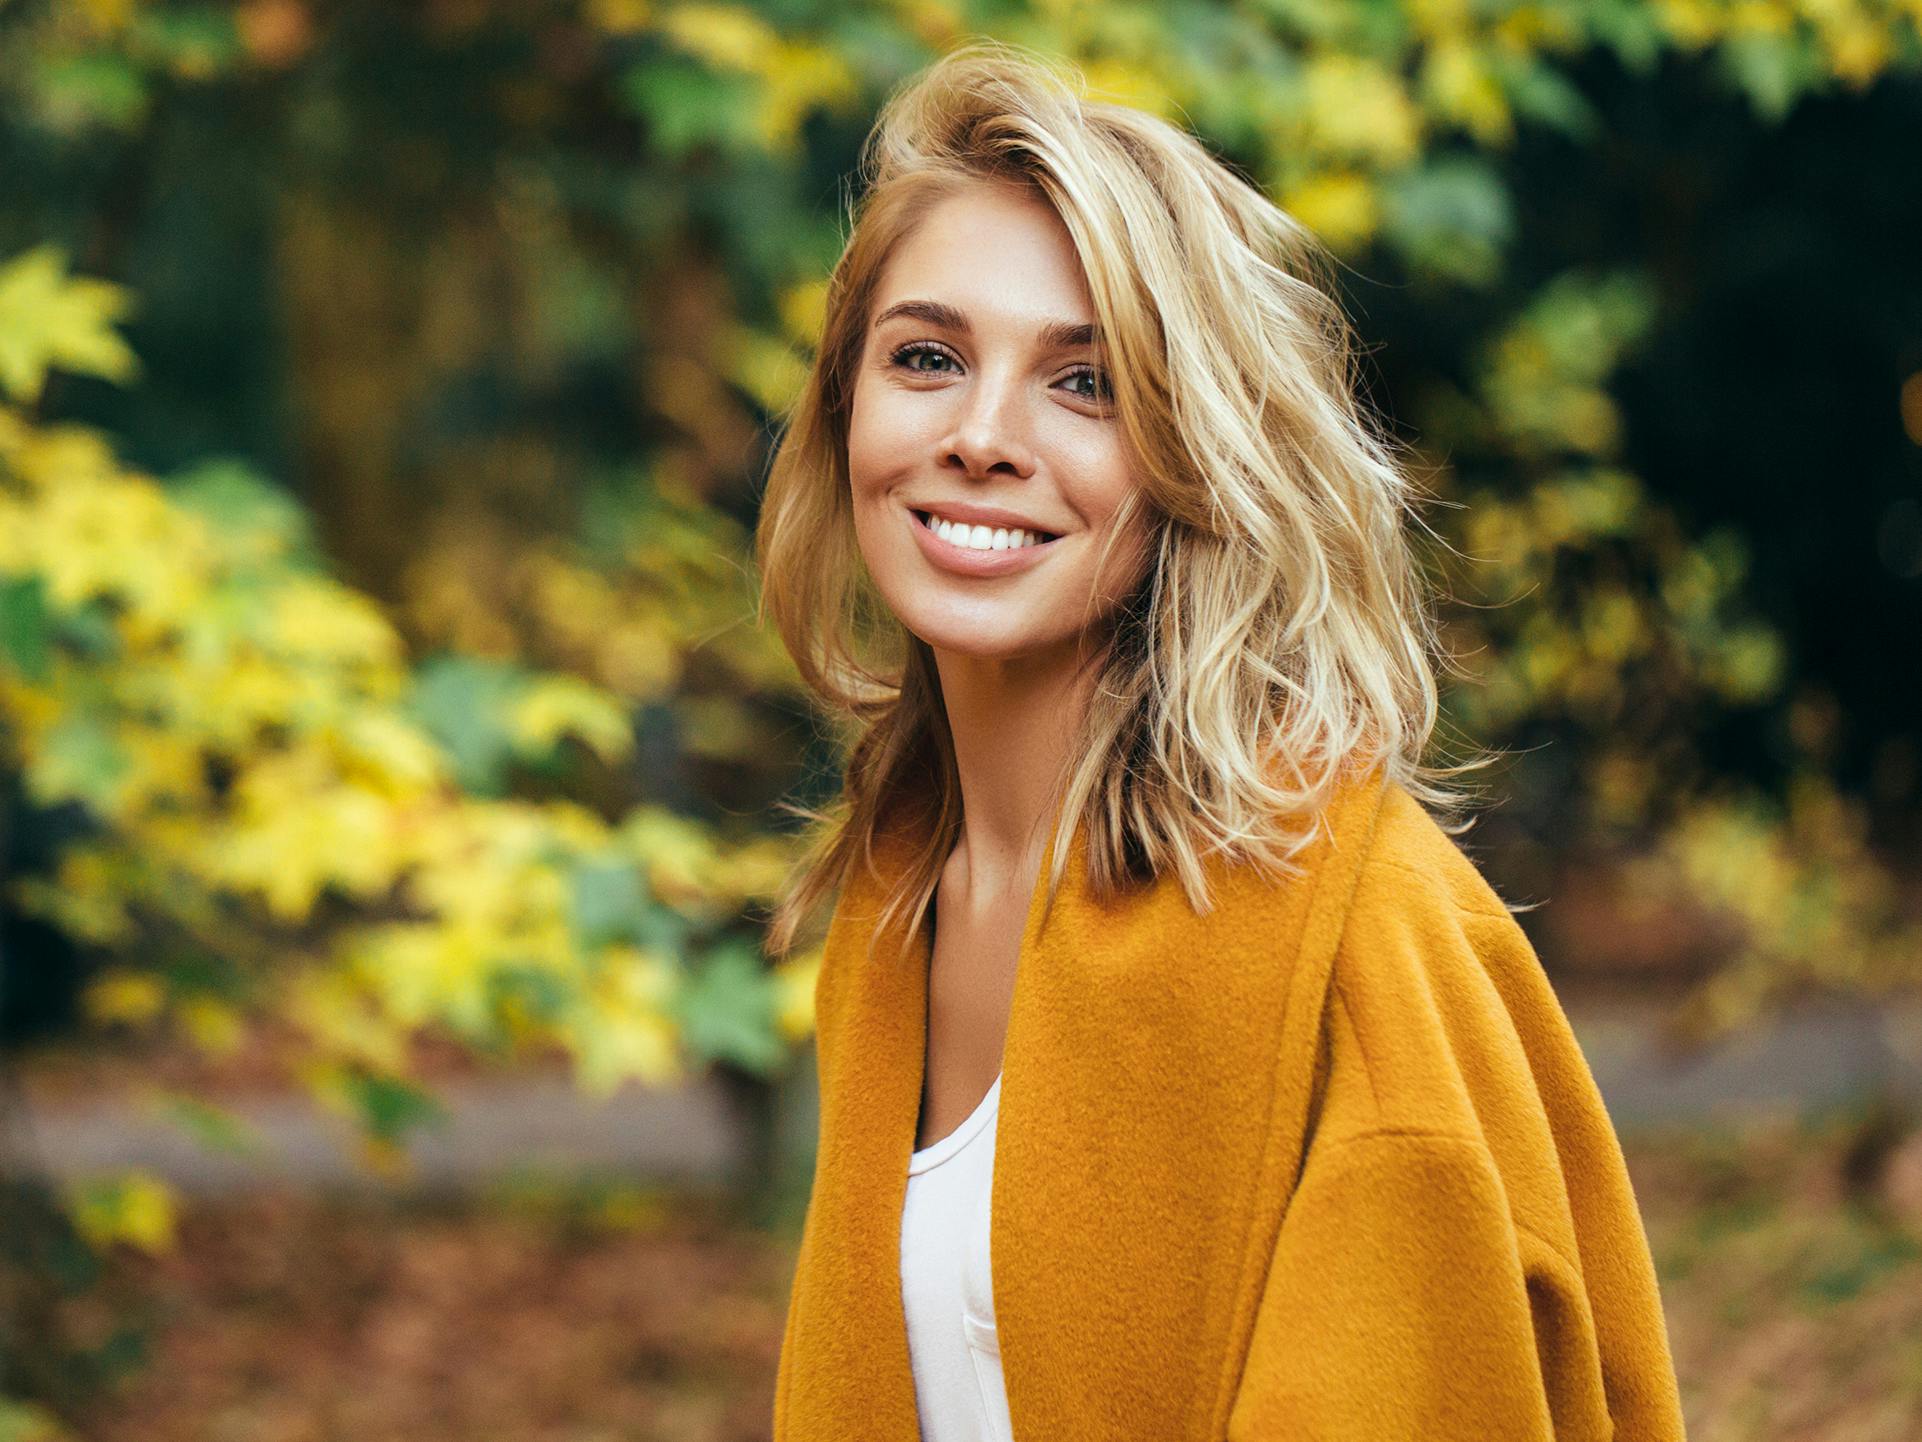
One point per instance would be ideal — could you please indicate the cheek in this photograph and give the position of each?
(1107, 479)
(883, 434)
(1103, 475)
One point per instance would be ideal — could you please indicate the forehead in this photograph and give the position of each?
(998, 253)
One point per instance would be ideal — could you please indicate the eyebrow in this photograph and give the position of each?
(1055, 335)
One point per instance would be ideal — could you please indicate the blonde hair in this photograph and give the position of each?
(1283, 631)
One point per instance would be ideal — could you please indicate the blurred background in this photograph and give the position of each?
(389, 758)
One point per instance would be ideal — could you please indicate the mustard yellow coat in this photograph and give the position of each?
(1324, 1164)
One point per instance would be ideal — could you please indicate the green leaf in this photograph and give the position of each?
(213, 1127)
(1631, 28)
(664, 930)
(390, 1107)
(538, 992)
(610, 902)
(463, 702)
(80, 760)
(75, 92)
(89, 631)
(25, 631)
(195, 41)
(686, 106)
(726, 1010)
(28, 1422)
(1451, 217)
(1773, 69)
(1539, 91)
(249, 511)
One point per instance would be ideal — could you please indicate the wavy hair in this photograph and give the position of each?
(1283, 632)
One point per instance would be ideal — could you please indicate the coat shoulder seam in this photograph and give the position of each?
(1465, 907)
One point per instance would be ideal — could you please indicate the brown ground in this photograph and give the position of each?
(547, 1313)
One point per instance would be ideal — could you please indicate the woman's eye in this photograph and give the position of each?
(1098, 390)
(909, 354)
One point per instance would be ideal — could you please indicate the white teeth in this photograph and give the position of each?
(982, 538)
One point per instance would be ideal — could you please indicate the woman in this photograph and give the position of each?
(1180, 1075)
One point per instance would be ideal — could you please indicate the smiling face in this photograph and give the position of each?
(977, 402)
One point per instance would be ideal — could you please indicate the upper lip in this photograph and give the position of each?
(970, 513)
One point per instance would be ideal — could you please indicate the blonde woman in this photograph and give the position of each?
(1181, 1077)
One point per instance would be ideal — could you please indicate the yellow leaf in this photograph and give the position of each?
(620, 17)
(330, 1007)
(1115, 80)
(1459, 86)
(214, 1026)
(313, 618)
(611, 1050)
(50, 319)
(799, 79)
(557, 706)
(638, 659)
(399, 758)
(134, 1207)
(107, 16)
(1760, 17)
(129, 997)
(624, 1032)
(1340, 207)
(804, 311)
(1439, 18)
(764, 366)
(385, 1157)
(936, 23)
(794, 982)
(723, 35)
(1691, 24)
(1859, 50)
(1355, 107)
(30, 1422)
(679, 853)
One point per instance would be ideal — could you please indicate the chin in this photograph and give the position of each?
(974, 646)
(978, 642)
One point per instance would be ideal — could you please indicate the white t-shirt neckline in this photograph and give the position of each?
(936, 1153)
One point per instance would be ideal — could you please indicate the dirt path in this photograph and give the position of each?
(1812, 1061)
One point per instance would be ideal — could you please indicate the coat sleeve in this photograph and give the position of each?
(1402, 1302)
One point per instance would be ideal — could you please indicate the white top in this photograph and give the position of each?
(946, 1284)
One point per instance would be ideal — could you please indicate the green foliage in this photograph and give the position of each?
(25, 1422)
(290, 824)
(727, 1010)
(26, 630)
(451, 800)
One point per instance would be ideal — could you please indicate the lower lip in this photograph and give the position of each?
(966, 561)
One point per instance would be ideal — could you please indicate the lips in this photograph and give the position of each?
(965, 560)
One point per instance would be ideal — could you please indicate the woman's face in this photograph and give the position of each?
(977, 403)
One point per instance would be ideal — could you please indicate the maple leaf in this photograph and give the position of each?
(49, 318)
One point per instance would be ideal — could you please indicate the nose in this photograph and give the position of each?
(986, 439)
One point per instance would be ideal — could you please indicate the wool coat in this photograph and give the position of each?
(1324, 1163)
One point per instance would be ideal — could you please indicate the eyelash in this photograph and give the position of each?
(922, 347)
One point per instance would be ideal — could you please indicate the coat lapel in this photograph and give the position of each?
(1155, 1087)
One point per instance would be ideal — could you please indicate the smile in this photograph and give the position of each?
(981, 538)
(978, 550)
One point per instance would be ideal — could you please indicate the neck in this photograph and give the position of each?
(1014, 723)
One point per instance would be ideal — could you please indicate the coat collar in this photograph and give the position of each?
(1155, 1090)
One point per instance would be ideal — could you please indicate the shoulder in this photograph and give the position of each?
(1413, 862)
(1435, 993)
